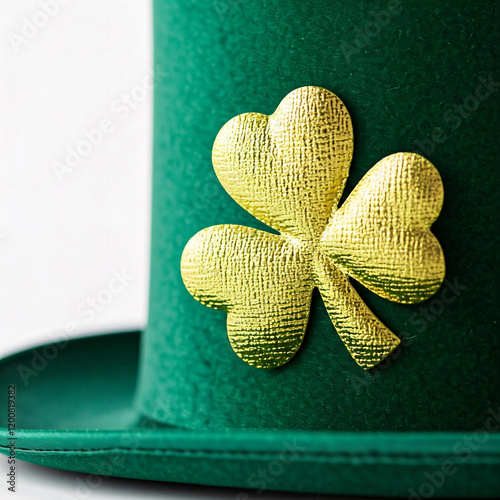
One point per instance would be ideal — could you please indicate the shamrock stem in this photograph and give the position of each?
(367, 339)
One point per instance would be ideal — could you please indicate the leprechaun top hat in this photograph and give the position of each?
(340, 355)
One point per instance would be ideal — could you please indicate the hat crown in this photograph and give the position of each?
(190, 376)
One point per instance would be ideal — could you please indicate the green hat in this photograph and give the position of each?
(299, 378)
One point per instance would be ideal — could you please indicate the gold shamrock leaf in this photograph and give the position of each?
(289, 171)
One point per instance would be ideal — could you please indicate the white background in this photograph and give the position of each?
(64, 232)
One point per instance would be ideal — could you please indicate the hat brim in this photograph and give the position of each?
(75, 412)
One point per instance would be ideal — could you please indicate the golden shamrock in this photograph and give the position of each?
(289, 171)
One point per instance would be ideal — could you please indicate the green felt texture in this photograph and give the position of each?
(77, 415)
(74, 385)
(400, 87)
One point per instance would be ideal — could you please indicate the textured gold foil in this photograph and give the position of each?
(289, 171)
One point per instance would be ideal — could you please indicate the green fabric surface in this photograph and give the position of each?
(402, 87)
(80, 384)
(76, 414)
(334, 464)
